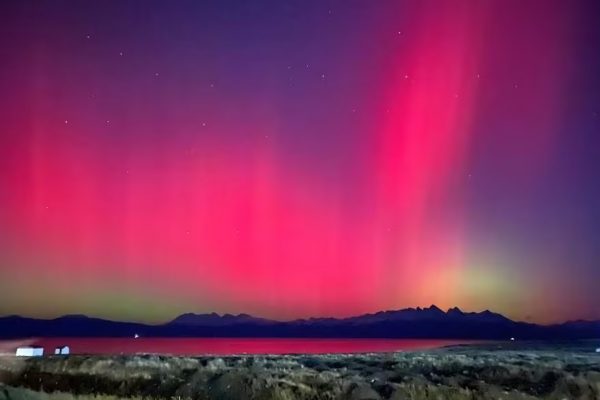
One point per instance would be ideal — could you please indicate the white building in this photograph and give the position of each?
(30, 351)
(62, 350)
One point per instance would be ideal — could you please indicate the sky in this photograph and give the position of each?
(299, 158)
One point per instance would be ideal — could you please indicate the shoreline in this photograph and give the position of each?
(7, 347)
(228, 346)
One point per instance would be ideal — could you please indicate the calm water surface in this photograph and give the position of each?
(228, 346)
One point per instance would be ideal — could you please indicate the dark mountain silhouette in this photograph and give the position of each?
(429, 322)
(214, 319)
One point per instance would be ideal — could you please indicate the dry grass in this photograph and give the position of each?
(10, 393)
(434, 375)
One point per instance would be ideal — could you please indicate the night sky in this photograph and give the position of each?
(299, 158)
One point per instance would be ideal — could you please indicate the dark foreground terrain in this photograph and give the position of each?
(497, 371)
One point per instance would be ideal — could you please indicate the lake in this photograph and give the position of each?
(230, 346)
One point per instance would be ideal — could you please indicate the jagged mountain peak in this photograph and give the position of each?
(429, 322)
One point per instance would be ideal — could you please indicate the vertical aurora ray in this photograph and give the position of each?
(421, 155)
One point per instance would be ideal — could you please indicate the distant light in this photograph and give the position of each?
(136, 336)
(512, 339)
(598, 350)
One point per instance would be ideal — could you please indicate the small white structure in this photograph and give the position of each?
(30, 351)
(598, 350)
(136, 336)
(512, 339)
(62, 350)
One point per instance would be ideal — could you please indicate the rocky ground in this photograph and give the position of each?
(469, 372)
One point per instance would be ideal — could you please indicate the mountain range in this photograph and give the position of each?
(430, 322)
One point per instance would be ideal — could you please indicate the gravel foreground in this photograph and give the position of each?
(464, 372)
